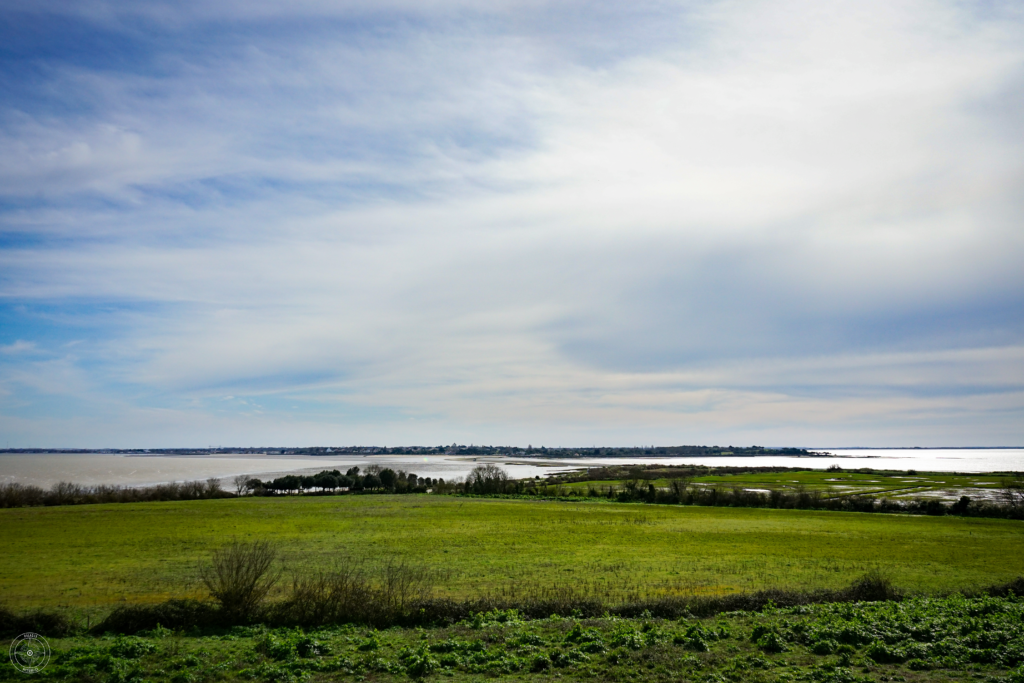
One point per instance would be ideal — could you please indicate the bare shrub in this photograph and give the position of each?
(13, 494)
(351, 591)
(339, 594)
(173, 614)
(240, 575)
(400, 582)
(57, 624)
(65, 493)
(192, 490)
(874, 586)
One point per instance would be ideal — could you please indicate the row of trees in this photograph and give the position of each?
(13, 494)
(373, 478)
(486, 479)
(483, 479)
(680, 491)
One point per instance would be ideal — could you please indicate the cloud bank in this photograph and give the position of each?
(561, 223)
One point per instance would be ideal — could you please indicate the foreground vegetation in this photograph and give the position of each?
(923, 639)
(90, 558)
(295, 588)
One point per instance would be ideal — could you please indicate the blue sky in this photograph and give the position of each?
(781, 223)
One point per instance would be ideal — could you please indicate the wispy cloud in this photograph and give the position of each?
(20, 346)
(782, 223)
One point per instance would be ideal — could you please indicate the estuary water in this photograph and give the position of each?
(46, 469)
(921, 459)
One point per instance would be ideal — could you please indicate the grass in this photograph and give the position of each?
(925, 640)
(888, 483)
(92, 557)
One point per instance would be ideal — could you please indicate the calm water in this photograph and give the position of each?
(45, 469)
(923, 459)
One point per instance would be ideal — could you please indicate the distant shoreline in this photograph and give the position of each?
(559, 452)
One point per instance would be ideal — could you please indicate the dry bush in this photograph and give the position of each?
(874, 586)
(177, 615)
(340, 594)
(239, 577)
(400, 582)
(65, 493)
(14, 495)
(350, 591)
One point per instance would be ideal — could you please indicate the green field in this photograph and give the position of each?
(943, 485)
(94, 556)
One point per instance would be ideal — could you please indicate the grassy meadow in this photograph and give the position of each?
(92, 557)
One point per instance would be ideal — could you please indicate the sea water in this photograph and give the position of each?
(46, 469)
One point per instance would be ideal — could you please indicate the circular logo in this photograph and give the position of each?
(30, 653)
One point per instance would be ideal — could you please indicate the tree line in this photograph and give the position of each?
(485, 479)
(14, 494)
(373, 479)
(680, 491)
(491, 480)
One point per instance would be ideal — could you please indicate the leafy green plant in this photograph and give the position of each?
(825, 646)
(129, 647)
(540, 663)
(697, 637)
(771, 642)
(371, 642)
(420, 663)
(588, 640)
(310, 646)
(565, 658)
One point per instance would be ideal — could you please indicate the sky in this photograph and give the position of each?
(785, 223)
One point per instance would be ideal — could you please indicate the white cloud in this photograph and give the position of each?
(799, 219)
(19, 346)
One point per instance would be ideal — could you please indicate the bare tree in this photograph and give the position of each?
(679, 485)
(242, 485)
(632, 480)
(213, 487)
(1013, 489)
(487, 479)
(240, 575)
